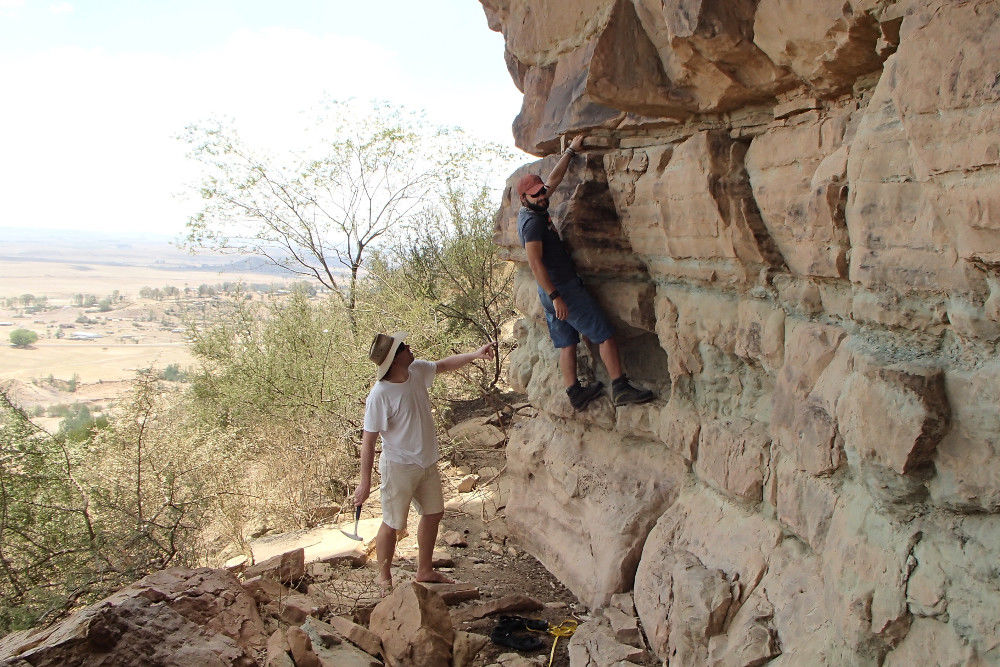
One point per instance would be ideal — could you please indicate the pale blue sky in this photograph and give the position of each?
(95, 91)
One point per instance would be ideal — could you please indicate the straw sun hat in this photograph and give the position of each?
(383, 351)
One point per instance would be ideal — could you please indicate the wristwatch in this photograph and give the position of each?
(554, 294)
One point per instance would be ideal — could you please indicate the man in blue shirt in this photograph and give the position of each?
(569, 308)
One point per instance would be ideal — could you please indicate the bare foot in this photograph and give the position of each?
(435, 577)
(384, 586)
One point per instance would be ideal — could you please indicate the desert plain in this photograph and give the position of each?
(136, 333)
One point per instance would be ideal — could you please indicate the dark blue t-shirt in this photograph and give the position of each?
(537, 226)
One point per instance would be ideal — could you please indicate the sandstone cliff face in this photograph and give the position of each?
(791, 210)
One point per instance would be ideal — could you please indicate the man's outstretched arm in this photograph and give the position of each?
(456, 361)
(364, 489)
(559, 171)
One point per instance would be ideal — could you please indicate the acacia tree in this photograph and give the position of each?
(449, 259)
(22, 337)
(318, 212)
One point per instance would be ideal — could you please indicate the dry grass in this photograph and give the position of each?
(92, 361)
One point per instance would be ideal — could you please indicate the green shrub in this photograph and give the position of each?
(22, 337)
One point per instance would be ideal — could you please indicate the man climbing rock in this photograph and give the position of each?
(399, 409)
(569, 309)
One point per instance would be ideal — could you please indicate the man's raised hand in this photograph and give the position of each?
(486, 351)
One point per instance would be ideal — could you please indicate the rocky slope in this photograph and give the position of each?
(791, 209)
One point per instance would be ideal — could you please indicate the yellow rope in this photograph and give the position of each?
(564, 629)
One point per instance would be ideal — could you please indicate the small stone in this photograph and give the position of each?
(453, 538)
(555, 605)
(360, 636)
(301, 647)
(468, 483)
(287, 568)
(442, 558)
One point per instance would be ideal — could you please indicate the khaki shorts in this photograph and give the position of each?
(402, 483)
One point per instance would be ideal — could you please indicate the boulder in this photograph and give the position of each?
(414, 626)
(584, 501)
(827, 43)
(237, 564)
(320, 544)
(176, 616)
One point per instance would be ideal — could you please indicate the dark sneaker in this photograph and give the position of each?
(626, 393)
(581, 395)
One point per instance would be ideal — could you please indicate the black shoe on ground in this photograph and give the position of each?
(580, 395)
(624, 392)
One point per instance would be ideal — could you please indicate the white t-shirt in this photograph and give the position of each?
(401, 413)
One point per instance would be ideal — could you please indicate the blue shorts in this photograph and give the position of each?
(585, 316)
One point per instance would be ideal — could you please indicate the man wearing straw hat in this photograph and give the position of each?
(399, 409)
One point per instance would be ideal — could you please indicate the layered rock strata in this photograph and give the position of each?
(791, 211)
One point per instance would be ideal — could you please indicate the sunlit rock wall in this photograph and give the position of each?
(791, 210)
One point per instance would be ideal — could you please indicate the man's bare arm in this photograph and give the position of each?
(534, 251)
(559, 171)
(456, 361)
(368, 439)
